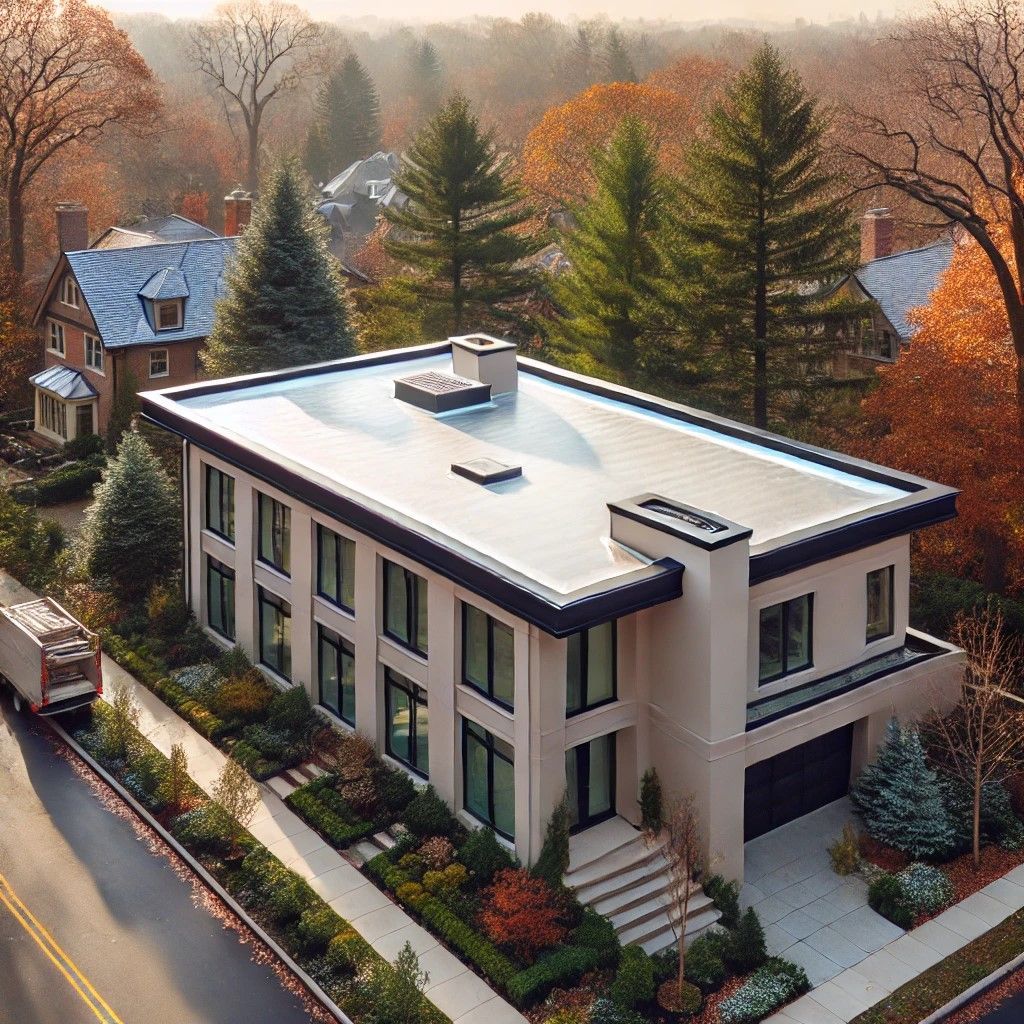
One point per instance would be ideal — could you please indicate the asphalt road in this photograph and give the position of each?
(96, 927)
(1011, 1011)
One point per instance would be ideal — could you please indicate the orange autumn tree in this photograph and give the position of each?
(948, 411)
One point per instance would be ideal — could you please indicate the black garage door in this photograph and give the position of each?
(796, 782)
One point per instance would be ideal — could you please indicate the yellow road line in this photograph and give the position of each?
(57, 956)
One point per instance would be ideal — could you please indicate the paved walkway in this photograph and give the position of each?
(452, 987)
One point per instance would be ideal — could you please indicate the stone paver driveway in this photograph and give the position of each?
(811, 915)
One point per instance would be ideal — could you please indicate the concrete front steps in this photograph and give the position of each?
(617, 873)
(292, 778)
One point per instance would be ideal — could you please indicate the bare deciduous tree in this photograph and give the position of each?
(66, 75)
(254, 51)
(684, 851)
(981, 740)
(951, 135)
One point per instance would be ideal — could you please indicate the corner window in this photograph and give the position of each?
(488, 779)
(168, 316)
(785, 638)
(275, 633)
(69, 291)
(880, 602)
(590, 668)
(487, 655)
(55, 336)
(405, 607)
(93, 353)
(274, 534)
(335, 568)
(337, 674)
(158, 366)
(407, 734)
(220, 503)
(220, 598)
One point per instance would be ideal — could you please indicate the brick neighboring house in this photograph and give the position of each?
(136, 313)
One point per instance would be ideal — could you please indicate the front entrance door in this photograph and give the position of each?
(83, 420)
(590, 782)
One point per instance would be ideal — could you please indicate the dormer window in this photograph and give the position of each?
(168, 315)
(69, 291)
(376, 189)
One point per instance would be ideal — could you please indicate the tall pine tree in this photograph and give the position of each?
(426, 80)
(612, 301)
(286, 303)
(762, 208)
(456, 230)
(617, 61)
(347, 126)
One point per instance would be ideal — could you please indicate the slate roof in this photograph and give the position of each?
(905, 280)
(64, 382)
(112, 282)
(172, 228)
(168, 283)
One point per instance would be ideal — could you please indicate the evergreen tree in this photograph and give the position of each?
(617, 61)
(456, 230)
(762, 208)
(901, 800)
(553, 862)
(285, 304)
(426, 80)
(611, 301)
(132, 531)
(347, 126)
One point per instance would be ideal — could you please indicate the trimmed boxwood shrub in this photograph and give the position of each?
(484, 855)
(634, 978)
(746, 947)
(726, 898)
(597, 933)
(309, 805)
(68, 483)
(886, 897)
(768, 988)
(317, 926)
(562, 967)
(428, 815)
(705, 964)
(200, 830)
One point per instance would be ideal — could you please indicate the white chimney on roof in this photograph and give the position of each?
(486, 359)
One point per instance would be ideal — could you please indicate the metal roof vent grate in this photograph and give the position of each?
(683, 515)
(486, 471)
(441, 392)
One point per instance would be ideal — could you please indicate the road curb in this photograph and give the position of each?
(975, 990)
(208, 880)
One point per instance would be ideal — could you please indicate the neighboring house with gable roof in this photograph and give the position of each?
(129, 315)
(149, 230)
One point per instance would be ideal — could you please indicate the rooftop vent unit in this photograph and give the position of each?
(683, 515)
(441, 392)
(486, 471)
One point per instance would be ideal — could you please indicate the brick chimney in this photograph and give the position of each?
(877, 233)
(237, 211)
(72, 227)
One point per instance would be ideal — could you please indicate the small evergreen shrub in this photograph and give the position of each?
(726, 898)
(428, 815)
(926, 888)
(704, 964)
(243, 699)
(290, 712)
(394, 788)
(68, 483)
(597, 933)
(83, 446)
(553, 861)
(746, 949)
(346, 951)
(886, 897)
(317, 926)
(563, 967)
(844, 852)
(604, 1011)
(634, 979)
(200, 830)
(484, 855)
(652, 806)
(768, 988)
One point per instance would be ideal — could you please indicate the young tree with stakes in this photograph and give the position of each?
(285, 304)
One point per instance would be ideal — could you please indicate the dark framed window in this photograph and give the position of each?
(488, 662)
(220, 598)
(405, 607)
(785, 638)
(220, 503)
(275, 521)
(335, 568)
(407, 733)
(590, 668)
(488, 779)
(337, 663)
(880, 603)
(275, 633)
(590, 782)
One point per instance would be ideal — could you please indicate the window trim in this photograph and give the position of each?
(473, 685)
(97, 352)
(584, 707)
(891, 570)
(339, 563)
(228, 513)
(412, 690)
(69, 279)
(786, 670)
(53, 410)
(264, 597)
(488, 742)
(55, 327)
(411, 608)
(286, 540)
(167, 363)
(343, 647)
(215, 567)
(178, 318)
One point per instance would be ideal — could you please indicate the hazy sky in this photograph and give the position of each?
(686, 11)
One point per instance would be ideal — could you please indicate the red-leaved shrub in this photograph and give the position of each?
(522, 913)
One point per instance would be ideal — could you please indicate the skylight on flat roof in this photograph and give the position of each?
(486, 471)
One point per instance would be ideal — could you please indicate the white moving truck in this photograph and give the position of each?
(51, 661)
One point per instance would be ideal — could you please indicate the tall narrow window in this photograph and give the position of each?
(488, 778)
(407, 734)
(590, 669)
(93, 353)
(487, 655)
(274, 534)
(336, 567)
(880, 602)
(220, 503)
(785, 638)
(405, 607)
(69, 291)
(275, 633)
(337, 674)
(220, 598)
(56, 337)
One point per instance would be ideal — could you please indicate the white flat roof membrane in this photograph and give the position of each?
(348, 432)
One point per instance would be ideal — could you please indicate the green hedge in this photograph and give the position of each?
(314, 812)
(69, 483)
(562, 967)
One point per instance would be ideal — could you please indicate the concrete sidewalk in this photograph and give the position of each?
(452, 987)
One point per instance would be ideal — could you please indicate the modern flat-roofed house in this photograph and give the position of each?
(522, 582)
